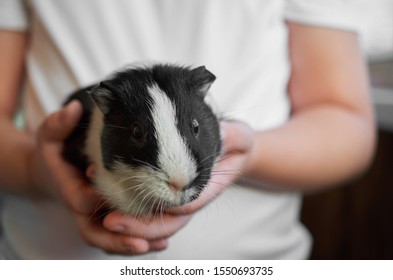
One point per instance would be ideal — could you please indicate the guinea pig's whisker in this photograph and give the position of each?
(147, 164)
(210, 156)
(147, 204)
(218, 183)
(142, 202)
(116, 126)
(228, 115)
(162, 207)
(220, 172)
(130, 187)
(220, 159)
(137, 177)
(223, 174)
(146, 209)
(148, 197)
(155, 207)
(87, 125)
(97, 209)
(138, 189)
(81, 125)
(134, 187)
(133, 204)
(227, 172)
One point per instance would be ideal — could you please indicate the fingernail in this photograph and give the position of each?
(72, 108)
(72, 104)
(118, 229)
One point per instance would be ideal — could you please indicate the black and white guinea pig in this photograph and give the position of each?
(150, 134)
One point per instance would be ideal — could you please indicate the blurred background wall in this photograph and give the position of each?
(355, 221)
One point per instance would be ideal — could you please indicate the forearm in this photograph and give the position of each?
(330, 136)
(318, 147)
(15, 146)
(15, 149)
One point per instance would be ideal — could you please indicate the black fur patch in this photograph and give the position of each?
(131, 103)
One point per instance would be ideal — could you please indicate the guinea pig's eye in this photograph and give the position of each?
(138, 132)
(195, 127)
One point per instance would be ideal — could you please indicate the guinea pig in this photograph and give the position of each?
(150, 134)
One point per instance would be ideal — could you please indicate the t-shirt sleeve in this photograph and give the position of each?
(14, 15)
(327, 13)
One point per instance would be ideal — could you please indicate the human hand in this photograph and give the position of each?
(54, 178)
(51, 176)
(152, 233)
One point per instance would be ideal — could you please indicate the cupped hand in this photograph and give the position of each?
(54, 178)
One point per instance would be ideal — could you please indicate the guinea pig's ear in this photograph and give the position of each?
(103, 97)
(202, 79)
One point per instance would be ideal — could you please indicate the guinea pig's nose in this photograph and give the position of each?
(176, 185)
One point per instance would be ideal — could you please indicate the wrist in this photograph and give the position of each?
(17, 147)
(32, 185)
(36, 179)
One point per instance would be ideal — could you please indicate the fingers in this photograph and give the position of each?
(72, 186)
(75, 190)
(59, 125)
(114, 243)
(64, 181)
(154, 228)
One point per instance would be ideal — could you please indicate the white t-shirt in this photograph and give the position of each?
(244, 43)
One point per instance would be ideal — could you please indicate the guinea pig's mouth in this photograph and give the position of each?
(145, 191)
(187, 195)
(191, 193)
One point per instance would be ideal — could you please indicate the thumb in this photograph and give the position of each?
(237, 136)
(59, 125)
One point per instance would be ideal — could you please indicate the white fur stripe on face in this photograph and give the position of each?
(174, 158)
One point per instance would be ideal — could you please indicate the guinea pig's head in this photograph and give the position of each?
(159, 140)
